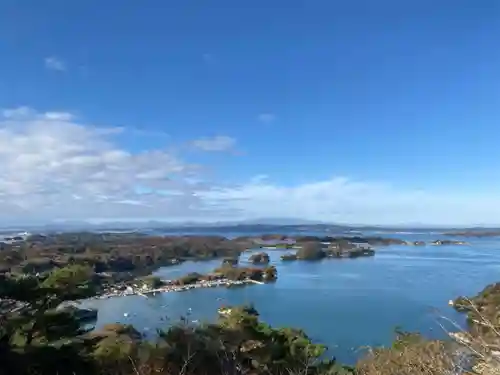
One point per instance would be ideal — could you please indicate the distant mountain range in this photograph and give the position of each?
(274, 225)
(70, 224)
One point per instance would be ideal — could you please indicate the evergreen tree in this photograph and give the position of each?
(33, 331)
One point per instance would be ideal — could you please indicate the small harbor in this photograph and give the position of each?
(169, 287)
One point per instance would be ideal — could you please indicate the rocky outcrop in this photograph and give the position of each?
(289, 257)
(259, 258)
(311, 251)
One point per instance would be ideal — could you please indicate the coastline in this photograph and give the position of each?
(342, 289)
(169, 288)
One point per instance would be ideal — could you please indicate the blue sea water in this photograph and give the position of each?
(346, 304)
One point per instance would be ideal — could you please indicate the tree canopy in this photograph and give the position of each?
(311, 251)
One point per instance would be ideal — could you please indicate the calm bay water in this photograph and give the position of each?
(345, 304)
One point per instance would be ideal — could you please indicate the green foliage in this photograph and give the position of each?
(239, 273)
(75, 282)
(311, 251)
(190, 278)
(115, 345)
(152, 281)
(404, 338)
(113, 253)
(37, 337)
(270, 273)
(36, 320)
(26, 289)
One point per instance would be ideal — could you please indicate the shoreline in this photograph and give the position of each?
(169, 288)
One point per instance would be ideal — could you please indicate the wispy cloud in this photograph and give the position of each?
(344, 200)
(17, 113)
(217, 143)
(55, 63)
(266, 117)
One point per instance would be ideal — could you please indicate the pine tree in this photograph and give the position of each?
(32, 329)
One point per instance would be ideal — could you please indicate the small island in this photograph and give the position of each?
(259, 258)
(317, 251)
(289, 256)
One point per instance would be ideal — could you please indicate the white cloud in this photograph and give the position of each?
(343, 200)
(266, 117)
(217, 143)
(55, 63)
(18, 113)
(53, 166)
(58, 116)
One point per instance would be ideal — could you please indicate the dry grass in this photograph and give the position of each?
(476, 351)
(482, 340)
(418, 358)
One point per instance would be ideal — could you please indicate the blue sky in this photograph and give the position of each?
(383, 112)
